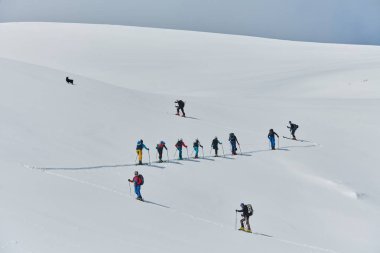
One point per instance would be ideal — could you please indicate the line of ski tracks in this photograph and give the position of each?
(123, 194)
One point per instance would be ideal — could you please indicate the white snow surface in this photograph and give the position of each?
(67, 150)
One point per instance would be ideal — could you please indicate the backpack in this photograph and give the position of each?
(250, 209)
(141, 180)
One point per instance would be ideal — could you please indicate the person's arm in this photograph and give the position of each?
(131, 181)
(184, 144)
(239, 211)
(145, 147)
(277, 135)
(165, 147)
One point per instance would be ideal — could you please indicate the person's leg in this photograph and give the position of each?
(216, 151)
(293, 132)
(233, 144)
(183, 112)
(196, 149)
(139, 155)
(180, 153)
(139, 192)
(272, 142)
(247, 223)
(160, 155)
(242, 224)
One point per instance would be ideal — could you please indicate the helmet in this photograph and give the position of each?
(242, 204)
(162, 142)
(136, 172)
(290, 122)
(271, 130)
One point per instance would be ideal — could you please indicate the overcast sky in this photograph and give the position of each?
(339, 21)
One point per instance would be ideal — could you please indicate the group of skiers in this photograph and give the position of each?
(246, 209)
(181, 144)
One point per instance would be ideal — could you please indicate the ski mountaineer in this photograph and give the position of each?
(272, 138)
(214, 145)
(179, 146)
(139, 150)
(196, 146)
(246, 211)
(179, 107)
(160, 147)
(293, 127)
(138, 181)
(233, 140)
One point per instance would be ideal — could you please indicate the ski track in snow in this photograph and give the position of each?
(14, 244)
(123, 194)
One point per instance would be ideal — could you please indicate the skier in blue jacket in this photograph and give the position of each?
(139, 150)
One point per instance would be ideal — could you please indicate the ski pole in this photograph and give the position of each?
(136, 157)
(167, 154)
(192, 152)
(175, 153)
(187, 151)
(203, 154)
(235, 220)
(130, 191)
(240, 149)
(278, 143)
(223, 150)
(149, 155)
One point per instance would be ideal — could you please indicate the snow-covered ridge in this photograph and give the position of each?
(333, 21)
(68, 150)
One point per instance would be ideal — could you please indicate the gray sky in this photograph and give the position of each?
(338, 21)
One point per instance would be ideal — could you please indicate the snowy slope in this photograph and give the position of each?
(67, 151)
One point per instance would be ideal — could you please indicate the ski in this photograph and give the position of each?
(250, 232)
(186, 117)
(294, 139)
